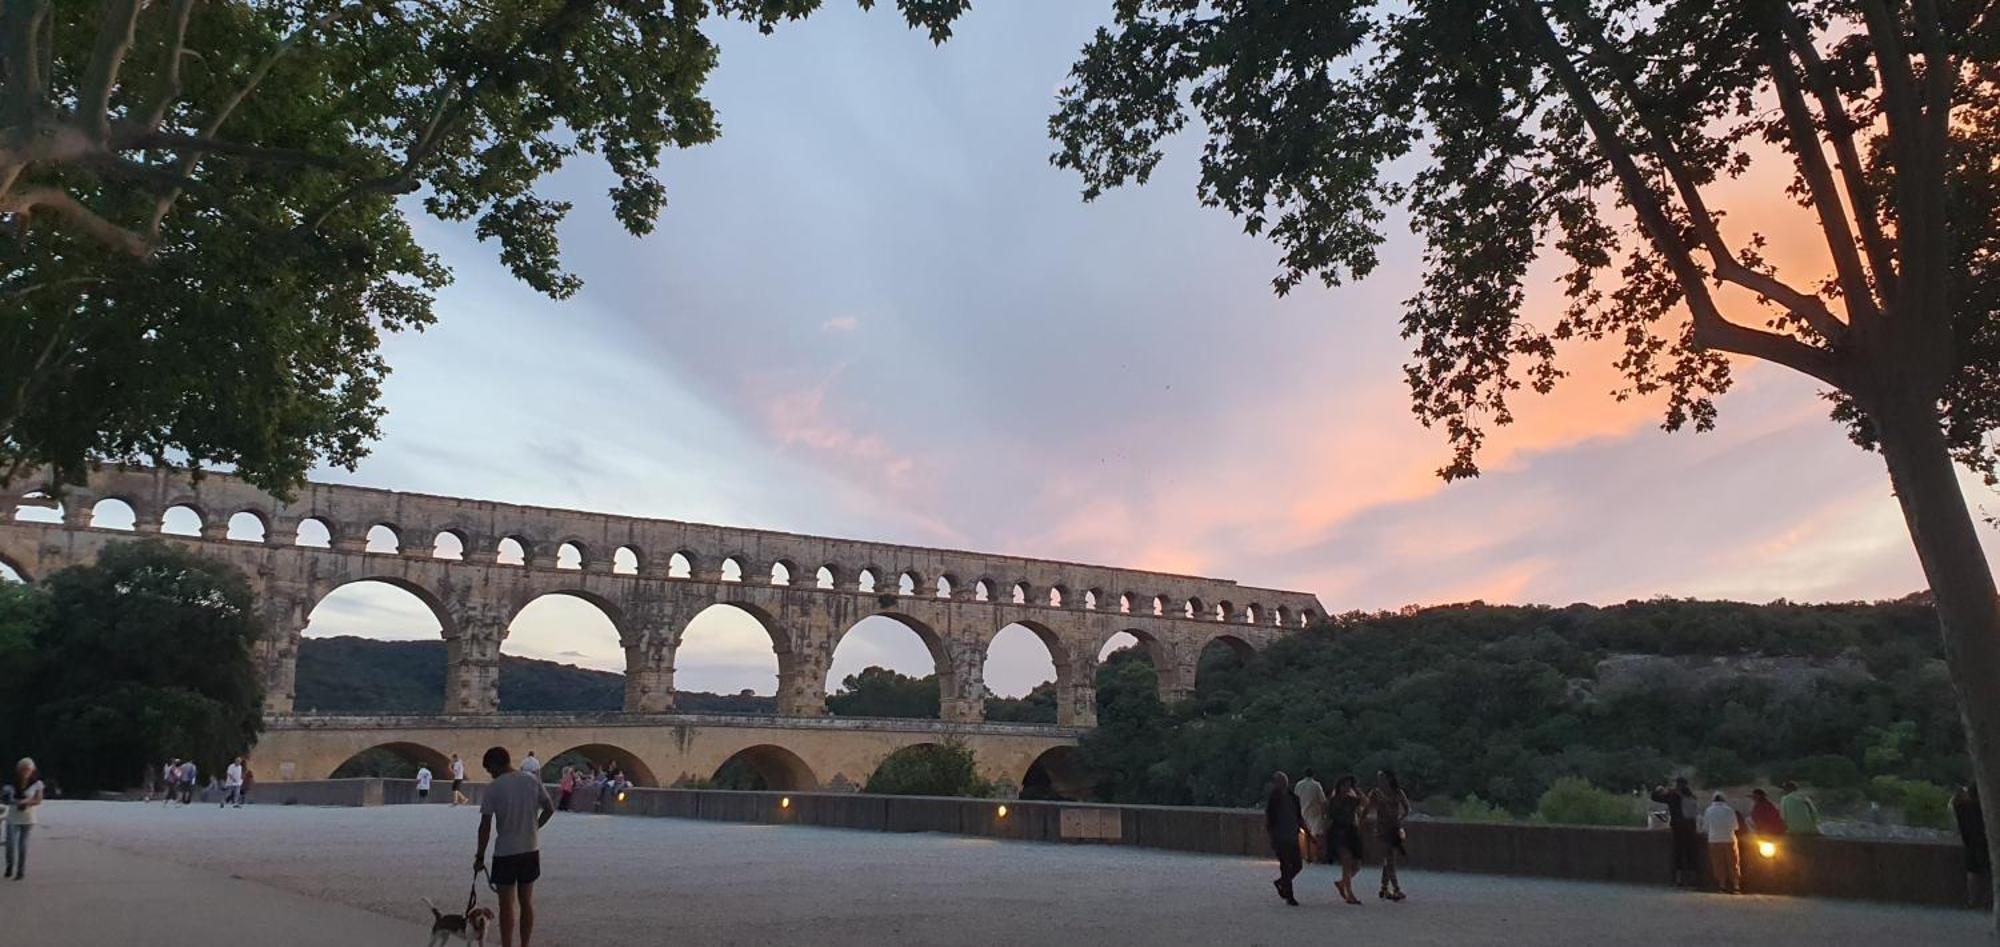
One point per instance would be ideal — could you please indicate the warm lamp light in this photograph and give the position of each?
(621, 795)
(785, 803)
(1003, 812)
(1767, 848)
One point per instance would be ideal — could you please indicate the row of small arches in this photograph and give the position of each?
(249, 526)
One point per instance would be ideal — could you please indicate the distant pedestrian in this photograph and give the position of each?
(1971, 821)
(1312, 808)
(1765, 818)
(423, 783)
(1681, 820)
(1800, 812)
(531, 766)
(1343, 833)
(150, 783)
(249, 783)
(1720, 822)
(568, 787)
(1283, 822)
(1391, 806)
(232, 784)
(512, 812)
(170, 781)
(458, 796)
(27, 787)
(190, 775)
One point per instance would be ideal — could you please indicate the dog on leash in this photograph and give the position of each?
(469, 928)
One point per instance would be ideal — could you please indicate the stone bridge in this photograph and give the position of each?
(475, 564)
(797, 753)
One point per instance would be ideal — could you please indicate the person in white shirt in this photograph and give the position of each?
(531, 766)
(232, 784)
(1720, 822)
(423, 783)
(1312, 808)
(27, 788)
(458, 796)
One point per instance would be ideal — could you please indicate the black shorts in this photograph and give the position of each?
(423, 794)
(520, 869)
(456, 783)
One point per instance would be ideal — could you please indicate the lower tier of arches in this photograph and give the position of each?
(686, 752)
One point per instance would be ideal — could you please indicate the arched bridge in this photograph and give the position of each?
(477, 563)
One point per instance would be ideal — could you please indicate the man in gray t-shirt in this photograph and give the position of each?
(520, 806)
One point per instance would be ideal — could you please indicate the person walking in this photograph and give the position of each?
(1681, 820)
(232, 784)
(27, 787)
(1971, 821)
(1312, 808)
(458, 796)
(170, 781)
(1801, 814)
(1765, 818)
(190, 774)
(511, 815)
(249, 783)
(531, 766)
(1720, 822)
(423, 782)
(1343, 833)
(1391, 806)
(568, 787)
(1283, 822)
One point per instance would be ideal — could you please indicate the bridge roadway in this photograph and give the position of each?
(798, 753)
(475, 564)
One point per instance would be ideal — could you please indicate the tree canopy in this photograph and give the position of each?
(143, 655)
(209, 202)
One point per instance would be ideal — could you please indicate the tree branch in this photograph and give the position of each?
(1711, 329)
(170, 68)
(82, 218)
(1819, 182)
(1727, 265)
(26, 83)
(116, 23)
(190, 160)
(1840, 129)
(192, 144)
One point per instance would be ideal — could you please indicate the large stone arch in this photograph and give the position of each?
(960, 694)
(779, 769)
(794, 694)
(1057, 773)
(1076, 689)
(415, 753)
(1165, 658)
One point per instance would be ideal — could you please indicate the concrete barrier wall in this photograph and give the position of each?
(1885, 870)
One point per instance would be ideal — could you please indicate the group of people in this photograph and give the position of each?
(19, 800)
(176, 779)
(1721, 827)
(608, 781)
(1308, 823)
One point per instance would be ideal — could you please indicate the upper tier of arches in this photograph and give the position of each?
(385, 523)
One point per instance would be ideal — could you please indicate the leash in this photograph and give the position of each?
(472, 896)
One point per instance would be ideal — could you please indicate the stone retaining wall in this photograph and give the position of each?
(1913, 872)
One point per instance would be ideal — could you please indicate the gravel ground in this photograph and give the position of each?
(631, 880)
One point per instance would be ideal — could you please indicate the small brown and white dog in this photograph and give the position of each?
(469, 928)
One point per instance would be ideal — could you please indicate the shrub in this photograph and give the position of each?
(1923, 804)
(1574, 801)
(1474, 809)
(936, 769)
(1720, 767)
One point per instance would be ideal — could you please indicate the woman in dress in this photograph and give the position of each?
(1343, 833)
(1391, 805)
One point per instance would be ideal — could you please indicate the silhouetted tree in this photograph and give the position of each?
(1595, 134)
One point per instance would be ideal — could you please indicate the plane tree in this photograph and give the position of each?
(207, 205)
(1609, 141)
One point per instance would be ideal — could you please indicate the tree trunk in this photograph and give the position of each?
(1961, 581)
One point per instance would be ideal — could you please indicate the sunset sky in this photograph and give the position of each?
(874, 310)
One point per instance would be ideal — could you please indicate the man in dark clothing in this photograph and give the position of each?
(1972, 833)
(1680, 803)
(1283, 820)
